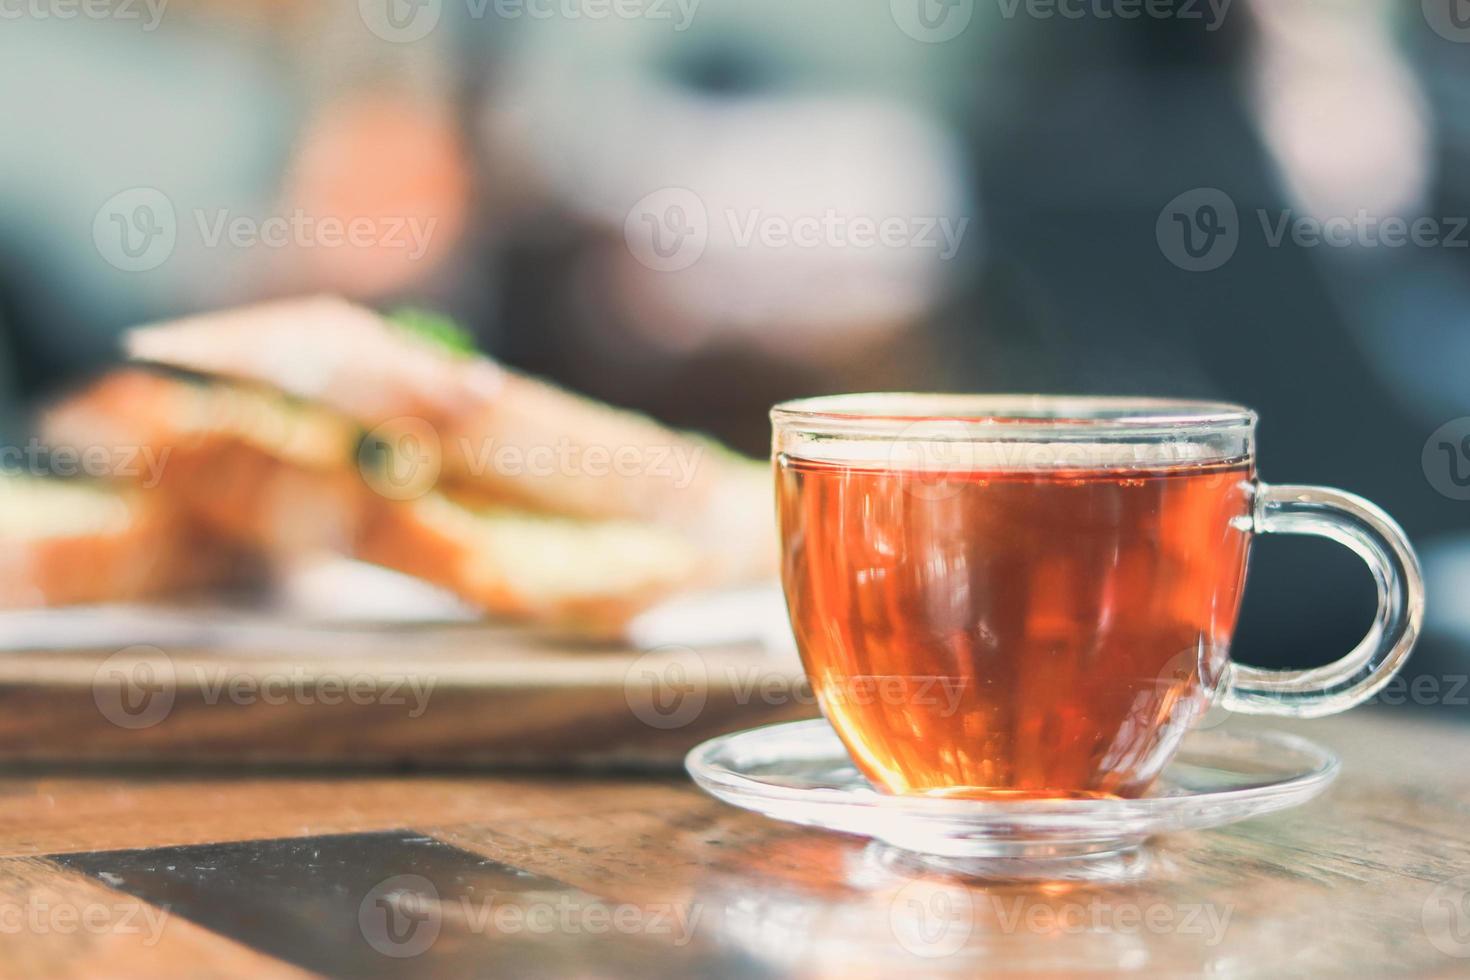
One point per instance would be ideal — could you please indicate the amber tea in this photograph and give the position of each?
(1013, 632)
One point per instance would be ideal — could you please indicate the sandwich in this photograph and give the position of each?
(412, 383)
(308, 427)
(64, 542)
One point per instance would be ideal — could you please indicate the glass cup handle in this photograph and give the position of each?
(1374, 537)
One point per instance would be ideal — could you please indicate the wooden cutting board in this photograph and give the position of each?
(210, 687)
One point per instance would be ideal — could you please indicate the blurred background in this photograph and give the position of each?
(697, 208)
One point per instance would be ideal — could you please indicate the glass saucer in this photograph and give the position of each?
(799, 772)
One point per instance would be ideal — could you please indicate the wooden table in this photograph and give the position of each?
(158, 875)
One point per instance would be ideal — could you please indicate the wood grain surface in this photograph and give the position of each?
(388, 696)
(274, 874)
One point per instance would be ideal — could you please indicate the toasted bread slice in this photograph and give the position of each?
(280, 509)
(256, 481)
(488, 429)
(168, 413)
(245, 462)
(587, 576)
(64, 542)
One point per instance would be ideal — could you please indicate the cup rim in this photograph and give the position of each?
(1036, 415)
